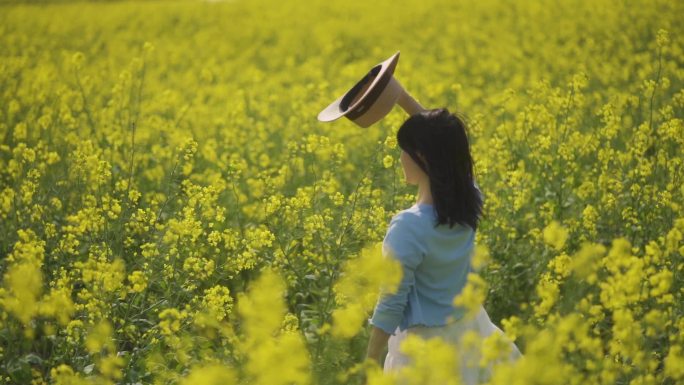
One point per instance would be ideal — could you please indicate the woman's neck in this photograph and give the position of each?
(424, 194)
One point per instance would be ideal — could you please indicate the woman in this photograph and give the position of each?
(433, 240)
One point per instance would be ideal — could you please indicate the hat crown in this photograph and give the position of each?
(372, 97)
(360, 89)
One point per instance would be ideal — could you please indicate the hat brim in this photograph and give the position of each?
(341, 107)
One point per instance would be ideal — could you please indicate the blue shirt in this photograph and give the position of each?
(435, 264)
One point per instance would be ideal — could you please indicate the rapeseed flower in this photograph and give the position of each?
(555, 235)
(473, 295)
(362, 280)
(272, 357)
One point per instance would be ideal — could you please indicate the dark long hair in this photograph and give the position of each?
(441, 138)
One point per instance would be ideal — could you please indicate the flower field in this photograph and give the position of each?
(171, 211)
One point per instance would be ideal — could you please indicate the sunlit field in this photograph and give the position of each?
(171, 210)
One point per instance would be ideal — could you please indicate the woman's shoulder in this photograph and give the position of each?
(407, 213)
(421, 220)
(412, 217)
(405, 232)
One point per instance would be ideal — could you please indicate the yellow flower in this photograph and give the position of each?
(481, 257)
(673, 238)
(555, 235)
(362, 279)
(170, 321)
(347, 320)
(273, 357)
(290, 323)
(20, 131)
(210, 374)
(6, 202)
(218, 301)
(473, 295)
(391, 141)
(64, 375)
(496, 347)
(548, 291)
(58, 304)
(23, 283)
(674, 363)
(585, 262)
(138, 281)
(387, 161)
(432, 361)
(512, 327)
(662, 37)
(589, 218)
(100, 337)
(560, 265)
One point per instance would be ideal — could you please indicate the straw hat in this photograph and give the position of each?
(372, 97)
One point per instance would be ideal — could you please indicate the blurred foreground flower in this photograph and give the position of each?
(358, 288)
(274, 357)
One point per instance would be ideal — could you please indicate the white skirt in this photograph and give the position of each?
(450, 333)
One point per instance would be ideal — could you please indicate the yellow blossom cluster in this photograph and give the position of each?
(362, 280)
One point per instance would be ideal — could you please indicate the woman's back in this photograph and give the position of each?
(435, 264)
(444, 270)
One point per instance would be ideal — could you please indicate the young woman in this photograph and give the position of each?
(433, 240)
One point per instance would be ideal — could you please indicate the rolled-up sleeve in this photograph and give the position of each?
(401, 243)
